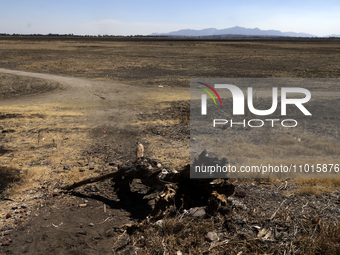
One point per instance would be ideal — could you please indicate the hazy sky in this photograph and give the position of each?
(130, 17)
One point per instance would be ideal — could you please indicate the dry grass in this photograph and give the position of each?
(8, 176)
(186, 235)
(45, 138)
(48, 136)
(319, 238)
(316, 186)
(174, 154)
(171, 63)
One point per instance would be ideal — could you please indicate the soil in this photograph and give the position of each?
(21, 86)
(124, 103)
(59, 225)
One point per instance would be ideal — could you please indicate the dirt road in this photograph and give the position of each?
(101, 100)
(81, 92)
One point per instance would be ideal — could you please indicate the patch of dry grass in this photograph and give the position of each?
(8, 176)
(316, 186)
(172, 235)
(174, 154)
(319, 238)
(45, 137)
(310, 234)
(188, 235)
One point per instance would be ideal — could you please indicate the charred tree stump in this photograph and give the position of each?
(175, 186)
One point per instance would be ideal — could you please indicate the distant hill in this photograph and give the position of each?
(233, 31)
(333, 35)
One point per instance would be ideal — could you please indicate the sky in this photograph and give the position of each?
(132, 17)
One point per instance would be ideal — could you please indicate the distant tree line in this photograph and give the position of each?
(216, 37)
(73, 35)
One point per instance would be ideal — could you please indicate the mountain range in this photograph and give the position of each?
(233, 31)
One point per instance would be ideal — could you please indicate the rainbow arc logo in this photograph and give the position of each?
(209, 93)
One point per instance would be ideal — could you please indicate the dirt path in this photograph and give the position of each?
(81, 92)
(102, 99)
